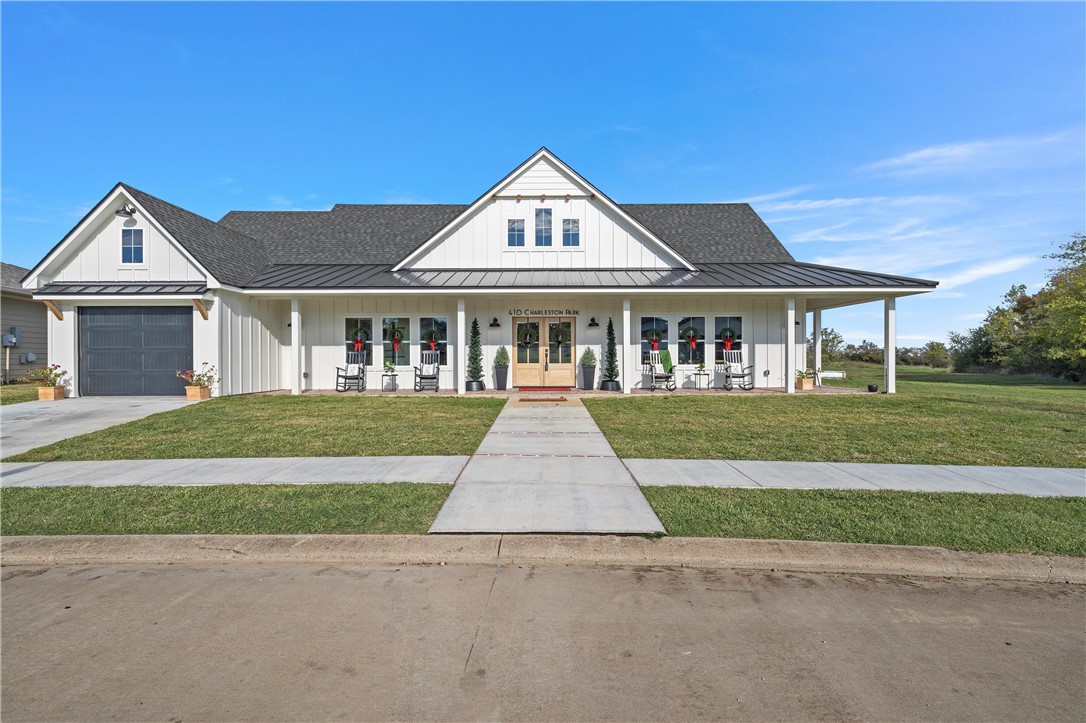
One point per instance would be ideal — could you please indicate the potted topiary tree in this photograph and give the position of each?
(588, 369)
(610, 362)
(475, 359)
(501, 368)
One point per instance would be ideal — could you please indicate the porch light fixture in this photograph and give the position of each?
(494, 324)
(592, 323)
(126, 211)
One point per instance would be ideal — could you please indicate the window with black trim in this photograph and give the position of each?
(358, 336)
(434, 335)
(653, 335)
(131, 245)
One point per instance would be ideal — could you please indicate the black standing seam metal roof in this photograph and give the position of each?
(709, 276)
(122, 288)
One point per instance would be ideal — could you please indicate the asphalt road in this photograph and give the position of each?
(247, 642)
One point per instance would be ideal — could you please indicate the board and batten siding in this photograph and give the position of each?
(324, 343)
(254, 342)
(98, 256)
(30, 317)
(606, 240)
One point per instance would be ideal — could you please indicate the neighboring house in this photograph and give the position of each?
(19, 311)
(141, 288)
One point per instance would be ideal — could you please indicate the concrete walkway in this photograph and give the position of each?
(267, 470)
(33, 424)
(546, 467)
(1035, 481)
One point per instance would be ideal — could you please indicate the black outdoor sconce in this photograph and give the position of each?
(494, 324)
(592, 323)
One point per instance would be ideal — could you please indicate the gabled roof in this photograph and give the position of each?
(543, 155)
(11, 278)
(229, 255)
(385, 234)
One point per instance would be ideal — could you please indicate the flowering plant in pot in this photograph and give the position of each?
(199, 382)
(501, 368)
(48, 381)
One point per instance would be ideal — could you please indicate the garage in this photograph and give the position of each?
(134, 350)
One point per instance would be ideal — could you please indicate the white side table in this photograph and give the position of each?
(387, 379)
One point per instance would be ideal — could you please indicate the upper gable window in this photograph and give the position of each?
(571, 232)
(543, 227)
(516, 232)
(131, 246)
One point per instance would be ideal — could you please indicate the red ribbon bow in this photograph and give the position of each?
(358, 345)
(728, 342)
(693, 342)
(655, 344)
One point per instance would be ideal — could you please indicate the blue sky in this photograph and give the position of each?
(946, 141)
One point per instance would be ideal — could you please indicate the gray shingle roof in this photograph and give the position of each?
(385, 234)
(781, 274)
(231, 256)
(348, 234)
(11, 278)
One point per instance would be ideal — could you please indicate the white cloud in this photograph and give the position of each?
(985, 270)
(795, 191)
(981, 155)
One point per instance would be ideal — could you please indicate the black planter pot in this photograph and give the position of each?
(501, 377)
(611, 385)
(872, 387)
(588, 378)
(475, 386)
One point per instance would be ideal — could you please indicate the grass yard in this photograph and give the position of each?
(15, 393)
(398, 508)
(935, 418)
(284, 426)
(956, 520)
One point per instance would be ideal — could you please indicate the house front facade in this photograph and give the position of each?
(276, 300)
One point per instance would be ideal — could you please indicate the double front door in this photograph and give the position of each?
(545, 350)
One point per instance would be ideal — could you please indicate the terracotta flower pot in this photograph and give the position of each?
(50, 394)
(195, 394)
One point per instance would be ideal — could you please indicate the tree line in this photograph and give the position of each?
(1040, 333)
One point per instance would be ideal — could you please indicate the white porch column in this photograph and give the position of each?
(461, 349)
(626, 348)
(889, 345)
(817, 324)
(295, 346)
(790, 345)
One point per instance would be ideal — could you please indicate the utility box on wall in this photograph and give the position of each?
(13, 337)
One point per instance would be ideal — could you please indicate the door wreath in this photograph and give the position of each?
(654, 336)
(691, 334)
(727, 335)
(527, 335)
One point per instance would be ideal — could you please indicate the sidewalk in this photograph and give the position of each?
(515, 469)
(545, 466)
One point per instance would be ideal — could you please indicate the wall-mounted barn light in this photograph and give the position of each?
(126, 211)
(494, 324)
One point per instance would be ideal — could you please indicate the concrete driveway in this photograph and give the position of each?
(33, 424)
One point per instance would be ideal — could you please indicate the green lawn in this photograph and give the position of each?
(399, 508)
(935, 418)
(15, 393)
(956, 520)
(283, 426)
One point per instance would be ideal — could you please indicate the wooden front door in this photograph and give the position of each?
(545, 352)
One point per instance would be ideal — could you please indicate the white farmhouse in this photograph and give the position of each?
(277, 299)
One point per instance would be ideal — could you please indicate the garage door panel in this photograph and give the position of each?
(132, 350)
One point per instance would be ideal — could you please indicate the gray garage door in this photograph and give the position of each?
(134, 350)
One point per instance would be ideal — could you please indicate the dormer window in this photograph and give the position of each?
(543, 227)
(516, 232)
(131, 246)
(571, 232)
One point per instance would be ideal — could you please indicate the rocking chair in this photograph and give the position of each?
(352, 376)
(660, 370)
(426, 373)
